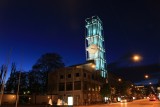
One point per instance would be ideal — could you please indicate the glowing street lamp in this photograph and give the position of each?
(146, 76)
(137, 58)
(119, 79)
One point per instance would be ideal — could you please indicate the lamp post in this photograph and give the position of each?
(119, 87)
(146, 76)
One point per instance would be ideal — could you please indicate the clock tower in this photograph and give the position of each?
(94, 43)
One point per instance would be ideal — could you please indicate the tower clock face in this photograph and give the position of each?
(92, 49)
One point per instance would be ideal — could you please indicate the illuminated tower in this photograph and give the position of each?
(94, 42)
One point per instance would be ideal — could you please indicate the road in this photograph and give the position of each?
(136, 103)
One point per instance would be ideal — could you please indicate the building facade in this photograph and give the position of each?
(82, 82)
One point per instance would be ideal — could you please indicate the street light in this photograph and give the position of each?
(146, 76)
(136, 57)
(119, 79)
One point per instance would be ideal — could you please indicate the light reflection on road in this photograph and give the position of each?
(136, 103)
(123, 104)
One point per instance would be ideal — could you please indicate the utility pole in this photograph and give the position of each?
(17, 96)
(19, 79)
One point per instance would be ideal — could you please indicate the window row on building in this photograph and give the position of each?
(79, 75)
(77, 85)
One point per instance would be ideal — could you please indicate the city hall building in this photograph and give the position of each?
(82, 83)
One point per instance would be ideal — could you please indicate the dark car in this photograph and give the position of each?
(123, 100)
(129, 99)
(126, 99)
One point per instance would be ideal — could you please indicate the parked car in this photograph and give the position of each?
(123, 100)
(126, 99)
(152, 98)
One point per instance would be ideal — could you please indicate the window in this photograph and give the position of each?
(61, 86)
(69, 75)
(77, 74)
(77, 85)
(86, 85)
(89, 77)
(69, 86)
(92, 77)
(84, 74)
(61, 76)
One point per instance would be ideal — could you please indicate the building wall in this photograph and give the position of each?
(8, 98)
(84, 85)
(43, 99)
(32, 99)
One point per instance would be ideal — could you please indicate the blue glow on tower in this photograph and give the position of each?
(95, 49)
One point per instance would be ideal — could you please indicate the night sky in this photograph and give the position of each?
(31, 28)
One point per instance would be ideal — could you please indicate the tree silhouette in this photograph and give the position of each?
(12, 80)
(38, 76)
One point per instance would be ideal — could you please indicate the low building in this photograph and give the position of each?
(81, 82)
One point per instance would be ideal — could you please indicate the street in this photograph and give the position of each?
(136, 103)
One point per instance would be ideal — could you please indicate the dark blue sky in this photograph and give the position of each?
(34, 27)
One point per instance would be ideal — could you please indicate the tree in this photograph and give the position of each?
(105, 90)
(35, 82)
(38, 76)
(124, 88)
(24, 83)
(11, 82)
(2, 77)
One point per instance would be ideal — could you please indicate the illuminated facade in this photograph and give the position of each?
(94, 42)
(79, 81)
